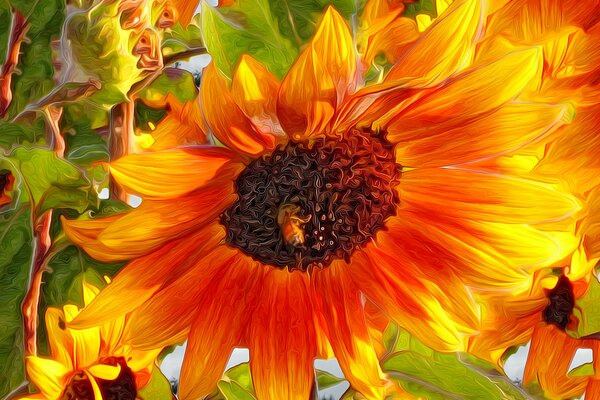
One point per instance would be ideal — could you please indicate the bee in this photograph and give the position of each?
(292, 224)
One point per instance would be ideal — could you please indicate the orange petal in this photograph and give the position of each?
(392, 41)
(282, 337)
(173, 308)
(227, 120)
(476, 91)
(172, 173)
(548, 362)
(254, 89)
(457, 141)
(140, 279)
(445, 48)
(151, 225)
(347, 331)
(488, 220)
(223, 315)
(317, 83)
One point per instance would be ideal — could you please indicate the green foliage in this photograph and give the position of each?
(157, 388)
(426, 7)
(179, 39)
(177, 82)
(272, 32)
(587, 311)
(426, 373)
(236, 384)
(25, 133)
(16, 252)
(326, 380)
(51, 182)
(45, 19)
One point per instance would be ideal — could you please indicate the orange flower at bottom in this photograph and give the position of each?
(327, 193)
(541, 316)
(87, 364)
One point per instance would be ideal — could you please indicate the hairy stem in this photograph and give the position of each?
(17, 36)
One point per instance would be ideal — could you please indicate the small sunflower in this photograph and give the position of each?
(87, 364)
(327, 191)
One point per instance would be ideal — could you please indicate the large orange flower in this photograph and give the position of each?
(326, 192)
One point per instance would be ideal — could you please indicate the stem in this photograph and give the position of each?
(42, 244)
(17, 36)
(121, 130)
(196, 51)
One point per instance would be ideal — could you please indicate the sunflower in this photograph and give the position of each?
(87, 364)
(326, 191)
(542, 316)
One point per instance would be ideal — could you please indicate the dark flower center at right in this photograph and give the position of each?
(306, 205)
(561, 302)
(121, 388)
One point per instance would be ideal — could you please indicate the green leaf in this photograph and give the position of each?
(587, 312)
(158, 387)
(174, 81)
(424, 372)
(84, 142)
(179, 39)
(52, 182)
(5, 21)
(248, 27)
(45, 19)
(23, 133)
(326, 380)
(273, 32)
(426, 7)
(236, 384)
(16, 250)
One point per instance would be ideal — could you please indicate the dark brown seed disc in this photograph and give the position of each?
(306, 205)
(560, 303)
(121, 388)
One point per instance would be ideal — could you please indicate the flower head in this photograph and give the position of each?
(327, 191)
(91, 363)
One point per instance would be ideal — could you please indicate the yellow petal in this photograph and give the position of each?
(317, 83)
(478, 90)
(95, 387)
(445, 48)
(86, 346)
(105, 372)
(171, 173)
(48, 376)
(61, 343)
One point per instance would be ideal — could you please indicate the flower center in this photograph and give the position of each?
(561, 303)
(121, 388)
(306, 205)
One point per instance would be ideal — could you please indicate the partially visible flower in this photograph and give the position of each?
(7, 181)
(543, 315)
(90, 364)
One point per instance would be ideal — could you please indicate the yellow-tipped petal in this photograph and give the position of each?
(254, 89)
(228, 121)
(317, 83)
(445, 48)
(61, 343)
(347, 331)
